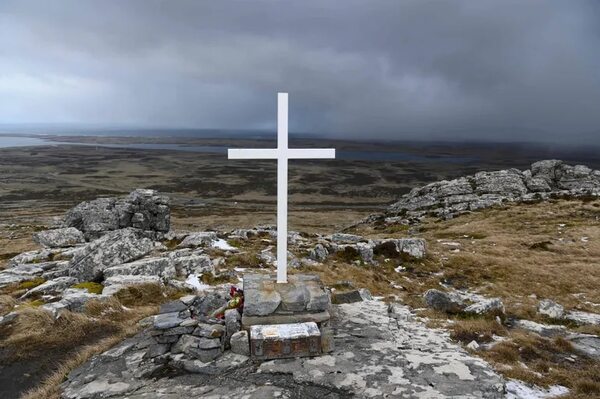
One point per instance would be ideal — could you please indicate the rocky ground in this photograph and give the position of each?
(461, 310)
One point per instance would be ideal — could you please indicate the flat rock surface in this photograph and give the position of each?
(380, 352)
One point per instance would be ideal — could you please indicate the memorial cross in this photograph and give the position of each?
(282, 153)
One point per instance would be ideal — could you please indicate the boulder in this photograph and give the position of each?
(394, 247)
(200, 239)
(142, 209)
(551, 309)
(492, 305)
(319, 253)
(443, 302)
(65, 237)
(114, 248)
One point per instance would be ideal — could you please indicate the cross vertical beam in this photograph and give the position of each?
(282, 186)
(282, 154)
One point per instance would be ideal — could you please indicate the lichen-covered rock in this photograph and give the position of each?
(113, 249)
(447, 199)
(65, 237)
(199, 239)
(160, 267)
(319, 253)
(142, 209)
(551, 309)
(492, 305)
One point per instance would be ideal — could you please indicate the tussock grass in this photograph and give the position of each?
(7, 304)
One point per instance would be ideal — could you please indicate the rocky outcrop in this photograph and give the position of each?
(114, 248)
(545, 179)
(142, 209)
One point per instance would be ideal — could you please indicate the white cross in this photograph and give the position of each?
(282, 153)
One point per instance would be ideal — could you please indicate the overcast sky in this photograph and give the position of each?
(522, 69)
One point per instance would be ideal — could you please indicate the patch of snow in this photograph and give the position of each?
(222, 244)
(399, 269)
(451, 244)
(585, 239)
(519, 390)
(196, 283)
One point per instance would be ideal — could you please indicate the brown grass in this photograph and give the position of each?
(7, 304)
(480, 330)
(74, 337)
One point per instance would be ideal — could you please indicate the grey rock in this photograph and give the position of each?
(327, 340)
(586, 344)
(338, 298)
(65, 237)
(204, 355)
(232, 321)
(184, 343)
(114, 248)
(394, 247)
(142, 209)
(341, 238)
(293, 297)
(447, 199)
(319, 253)
(492, 305)
(545, 330)
(37, 256)
(209, 330)
(192, 264)
(261, 302)
(183, 328)
(157, 350)
(8, 318)
(551, 309)
(240, 343)
(443, 302)
(199, 239)
(209, 343)
(173, 306)
(55, 286)
(162, 267)
(318, 299)
(583, 318)
(122, 281)
(167, 320)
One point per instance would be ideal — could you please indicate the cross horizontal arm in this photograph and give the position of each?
(311, 153)
(275, 153)
(252, 153)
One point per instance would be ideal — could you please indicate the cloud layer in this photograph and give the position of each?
(489, 70)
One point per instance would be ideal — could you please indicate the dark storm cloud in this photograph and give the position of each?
(388, 69)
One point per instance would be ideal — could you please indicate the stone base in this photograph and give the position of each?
(302, 294)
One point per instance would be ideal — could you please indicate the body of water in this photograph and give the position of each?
(381, 156)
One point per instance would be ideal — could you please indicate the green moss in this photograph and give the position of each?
(91, 287)
(29, 284)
